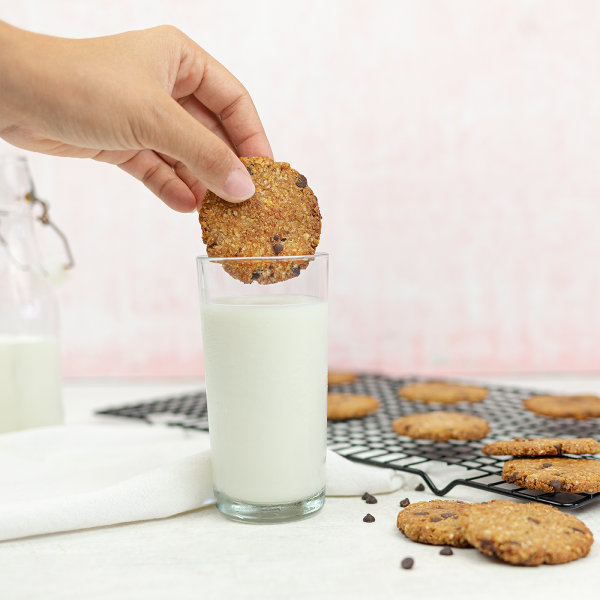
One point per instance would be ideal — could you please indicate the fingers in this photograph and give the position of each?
(168, 129)
(159, 178)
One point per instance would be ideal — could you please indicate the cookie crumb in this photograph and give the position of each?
(369, 518)
(407, 563)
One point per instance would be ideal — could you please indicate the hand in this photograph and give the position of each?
(152, 102)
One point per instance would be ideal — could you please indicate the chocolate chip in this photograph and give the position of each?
(278, 249)
(371, 499)
(436, 519)
(446, 515)
(556, 485)
(446, 551)
(368, 518)
(301, 183)
(404, 503)
(533, 520)
(579, 530)
(407, 563)
(365, 496)
(256, 274)
(546, 465)
(249, 170)
(558, 448)
(421, 514)
(276, 238)
(420, 488)
(295, 271)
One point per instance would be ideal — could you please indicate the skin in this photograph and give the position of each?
(152, 102)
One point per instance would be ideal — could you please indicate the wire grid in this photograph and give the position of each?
(371, 440)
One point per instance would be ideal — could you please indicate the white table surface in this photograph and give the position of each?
(335, 554)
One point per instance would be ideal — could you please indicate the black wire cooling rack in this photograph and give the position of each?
(372, 441)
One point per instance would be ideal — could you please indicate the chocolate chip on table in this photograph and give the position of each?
(404, 503)
(407, 563)
(446, 551)
(365, 496)
(420, 488)
(371, 500)
(278, 249)
(369, 518)
(301, 183)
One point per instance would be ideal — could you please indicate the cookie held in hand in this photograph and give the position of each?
(282, 219)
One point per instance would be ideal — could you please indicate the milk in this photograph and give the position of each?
(30, 384)
(265, 359)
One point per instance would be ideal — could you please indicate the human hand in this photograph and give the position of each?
(152, 102)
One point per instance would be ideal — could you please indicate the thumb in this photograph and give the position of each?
(173, 131)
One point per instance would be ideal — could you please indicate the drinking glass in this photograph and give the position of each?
(265, 359)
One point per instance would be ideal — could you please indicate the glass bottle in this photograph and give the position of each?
(30, 380)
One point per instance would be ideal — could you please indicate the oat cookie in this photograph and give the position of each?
(441, 426)
(439, 391)
(350, 406)
(556, 407)
(543, 447)
(552, 474)
(282, 218)
(435, 522)
(525, 534)
(339, 378)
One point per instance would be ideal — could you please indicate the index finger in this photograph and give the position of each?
(225, 96)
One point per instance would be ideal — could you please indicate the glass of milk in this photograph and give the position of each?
(265, 359)
(30, 381)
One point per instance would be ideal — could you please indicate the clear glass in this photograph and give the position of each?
(30, 382)
(265, 359)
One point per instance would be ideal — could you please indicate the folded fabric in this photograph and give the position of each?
(66, 478)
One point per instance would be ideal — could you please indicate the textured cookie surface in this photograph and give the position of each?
(574, 407)
(446, 393)
(435, 522)
(282, 218)
(543, 447)
(441, 426)
(339, 378)
(553, 474)
(350, 406)
(525, 534)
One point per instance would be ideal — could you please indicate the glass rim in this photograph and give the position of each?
(224, 259)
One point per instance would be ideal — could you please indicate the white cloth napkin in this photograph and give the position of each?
(64, 478)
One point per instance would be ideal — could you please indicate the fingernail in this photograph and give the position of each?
(239, 186)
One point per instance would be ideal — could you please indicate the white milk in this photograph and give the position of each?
(265, 359)
(30, 383)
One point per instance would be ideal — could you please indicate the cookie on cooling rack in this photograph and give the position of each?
(553, 474)
(441, 426)
(440, 391)
(562, 407)
(525, 534)
(350, 406)
(340, 377)
(542, 447)
(282, 218)
(435, 522)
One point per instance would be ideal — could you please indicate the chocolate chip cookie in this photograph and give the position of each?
(435, 522)
(282, 218)
(560, 407)
(350, 406)
(441, 426)
(339, 378)
(445, 393)
(551, 474)
(543, 447)
(525, 534)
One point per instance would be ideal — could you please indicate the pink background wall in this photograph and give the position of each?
(454, 147)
